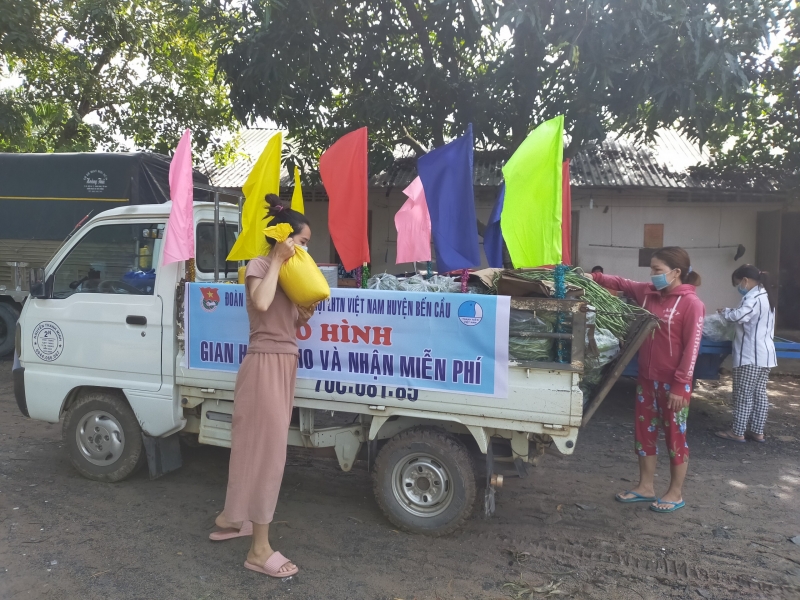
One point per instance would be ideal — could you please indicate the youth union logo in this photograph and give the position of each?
(210, 298)
(470, 313)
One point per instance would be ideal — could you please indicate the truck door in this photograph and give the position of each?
(102, 324)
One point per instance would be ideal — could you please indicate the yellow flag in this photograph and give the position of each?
(265, 178)
(297, 195)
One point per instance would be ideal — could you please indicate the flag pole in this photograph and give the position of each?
(364, 276)
(216, 237)
(240, 270)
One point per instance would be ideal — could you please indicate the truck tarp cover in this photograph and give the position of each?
(43, 196)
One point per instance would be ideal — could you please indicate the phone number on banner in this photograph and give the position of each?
(370, 391)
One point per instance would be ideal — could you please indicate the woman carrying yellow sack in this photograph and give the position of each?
(264, 395)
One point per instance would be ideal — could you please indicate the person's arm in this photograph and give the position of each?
(691, 336)
(742, 314)
(632, 289)
(262, 290)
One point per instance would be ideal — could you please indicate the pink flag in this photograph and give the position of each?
(413, 223)
(179, 237)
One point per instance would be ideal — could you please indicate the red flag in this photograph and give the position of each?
(566, 216)
(343, 168)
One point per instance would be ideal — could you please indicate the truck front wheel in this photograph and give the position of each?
(103, 437)
(424, 481)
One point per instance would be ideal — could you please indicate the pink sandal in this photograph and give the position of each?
(231, 533)
(273, 566)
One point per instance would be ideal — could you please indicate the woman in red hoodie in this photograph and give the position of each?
(666, 364)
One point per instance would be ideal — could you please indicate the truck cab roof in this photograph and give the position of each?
(160, 211)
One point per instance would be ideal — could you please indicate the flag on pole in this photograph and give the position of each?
(413, 224)
(493, 236)
(264, 178)
(531, 219)
(297, 194)
(446, 175)
(343, 169)
(179, 236)
(566, 216)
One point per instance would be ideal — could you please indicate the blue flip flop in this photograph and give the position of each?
(636, 498)
(675, 506)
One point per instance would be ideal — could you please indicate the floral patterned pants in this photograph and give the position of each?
(652, 413)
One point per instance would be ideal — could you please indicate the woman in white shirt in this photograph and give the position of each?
(753, 353)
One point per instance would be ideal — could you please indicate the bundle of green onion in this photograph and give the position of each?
(612, 313)
(521, 347)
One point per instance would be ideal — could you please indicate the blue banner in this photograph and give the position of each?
(444, 342)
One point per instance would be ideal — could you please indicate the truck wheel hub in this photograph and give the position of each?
(421, 485)
(100, 438)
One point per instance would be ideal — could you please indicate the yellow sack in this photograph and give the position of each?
(300, 277)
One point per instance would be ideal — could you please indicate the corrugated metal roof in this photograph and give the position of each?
(251, 144)
(620, 162)
(487, 171)
(666, 163)
(615, 162)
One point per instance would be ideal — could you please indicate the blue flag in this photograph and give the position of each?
(446, 175)
(493, 237)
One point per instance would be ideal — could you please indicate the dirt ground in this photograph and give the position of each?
(558, 532)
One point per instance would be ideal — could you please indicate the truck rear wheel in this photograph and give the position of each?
(424, 481)
(103, 437)
(8, 322)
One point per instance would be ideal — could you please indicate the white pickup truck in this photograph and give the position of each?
(100, 346)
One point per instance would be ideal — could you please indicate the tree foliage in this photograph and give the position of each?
(417, 71)
(19, 22)
(766, 133)
(27, 125)
(98, 73)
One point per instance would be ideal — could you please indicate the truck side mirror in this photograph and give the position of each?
(37, 284)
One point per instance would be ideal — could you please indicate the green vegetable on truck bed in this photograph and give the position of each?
(612, 313)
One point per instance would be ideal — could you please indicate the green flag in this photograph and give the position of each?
(531, 218)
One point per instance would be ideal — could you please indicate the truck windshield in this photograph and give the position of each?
(204, 262)
(112, 259)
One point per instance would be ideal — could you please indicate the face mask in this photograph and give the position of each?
(303, 247)
(742, 290)
(659, 281)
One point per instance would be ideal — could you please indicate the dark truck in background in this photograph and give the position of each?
(45, 197)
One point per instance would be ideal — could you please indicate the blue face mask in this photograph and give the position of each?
(742, 290)
(659, 281)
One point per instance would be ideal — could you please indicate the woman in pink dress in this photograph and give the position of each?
(263, 400)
